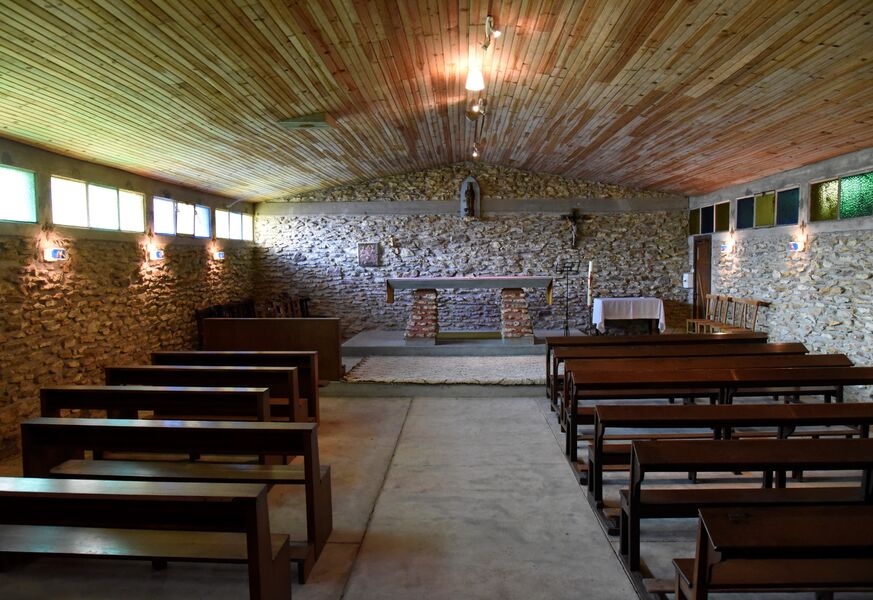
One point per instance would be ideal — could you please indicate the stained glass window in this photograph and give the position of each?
(788, 206)
(694, 222)
(706, 219)
(723, 216)
(824, 200)
(856, 196)
(765, 209)
(746, 213)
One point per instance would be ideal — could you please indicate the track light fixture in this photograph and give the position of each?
(489, 32)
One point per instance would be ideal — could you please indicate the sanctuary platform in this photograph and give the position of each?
(393, 343)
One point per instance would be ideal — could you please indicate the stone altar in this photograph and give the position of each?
(422, 327)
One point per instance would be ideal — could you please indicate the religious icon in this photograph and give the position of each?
(471, 202)
(368, 254)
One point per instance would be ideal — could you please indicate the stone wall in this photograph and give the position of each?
(442, 183)
(822, 297)
(63, 322)
(316, 256)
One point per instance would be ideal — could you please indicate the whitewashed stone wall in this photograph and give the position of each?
(63, 322)
(822, 297)
(635, 254)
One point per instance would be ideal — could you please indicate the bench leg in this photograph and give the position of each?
(622, 532)
(282, 574)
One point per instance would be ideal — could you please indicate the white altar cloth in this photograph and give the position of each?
(627, 308)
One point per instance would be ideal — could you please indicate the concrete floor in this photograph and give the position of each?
(434, 497)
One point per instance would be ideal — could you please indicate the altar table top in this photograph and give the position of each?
(432, 283)
(627, 308)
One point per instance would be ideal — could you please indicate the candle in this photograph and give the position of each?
(590, 268)
(589, 295)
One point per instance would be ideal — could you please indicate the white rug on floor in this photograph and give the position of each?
(491, 370)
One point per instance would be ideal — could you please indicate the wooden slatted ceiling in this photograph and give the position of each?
(684, 96)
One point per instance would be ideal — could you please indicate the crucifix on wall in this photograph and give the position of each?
(573, 220)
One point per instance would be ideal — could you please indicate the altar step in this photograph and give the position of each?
(391, 343)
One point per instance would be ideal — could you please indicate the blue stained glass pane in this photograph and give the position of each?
(745, 213)
(787, 206)
(707, 219)
(856, 196)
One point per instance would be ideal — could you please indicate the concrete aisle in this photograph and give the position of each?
(480, 503)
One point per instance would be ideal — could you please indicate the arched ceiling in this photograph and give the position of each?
(684, 96)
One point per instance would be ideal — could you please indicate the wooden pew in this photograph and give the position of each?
(127, 401)
(282, 382)
(562, 354)
(582, 341)
(587, 384)
(729, 456)
(306, 362)
(763, 549)
(53, 447)
(768, 360)
(193, 522)
(320, 334)
(785, 417)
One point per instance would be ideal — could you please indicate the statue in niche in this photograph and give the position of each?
(471, 201)
(573, 220)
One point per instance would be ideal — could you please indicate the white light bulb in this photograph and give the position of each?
(496, 33)
(475, 108)
(475, 153)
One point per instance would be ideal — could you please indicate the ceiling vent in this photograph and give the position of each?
(321, 120)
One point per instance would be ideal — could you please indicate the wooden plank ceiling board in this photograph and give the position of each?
(684, 97)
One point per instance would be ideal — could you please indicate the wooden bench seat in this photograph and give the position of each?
(785, 575)
(305, 361)
(150, 521)
(816, 548)
(49, 445)
(631, 341)
(727, 456)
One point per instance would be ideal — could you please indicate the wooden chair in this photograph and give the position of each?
(717, 312)
(744, 315)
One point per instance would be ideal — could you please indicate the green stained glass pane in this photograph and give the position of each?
(824, 200)
(765, 209)
(723, 216)
(788, 207)
(694, 222)
(745, 213)
(856, 196)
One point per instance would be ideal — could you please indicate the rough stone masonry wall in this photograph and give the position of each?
(63, 322)
(635, 254)
(822, 297)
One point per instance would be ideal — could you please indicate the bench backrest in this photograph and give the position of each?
(306, 362)
(131, 504)
(677, 350)
(281, 381)
(320, 334)
(713, 362)
(739, 337)
(47, 441)
(126, 401)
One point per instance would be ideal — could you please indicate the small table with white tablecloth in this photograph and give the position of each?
(627, 308)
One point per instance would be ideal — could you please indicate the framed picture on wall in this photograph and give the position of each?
(368, 254)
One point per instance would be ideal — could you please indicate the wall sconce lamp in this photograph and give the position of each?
(155, 253)
(798, 244)
(728, 245)
(218, 254)
(475, 80)
(54, 254)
